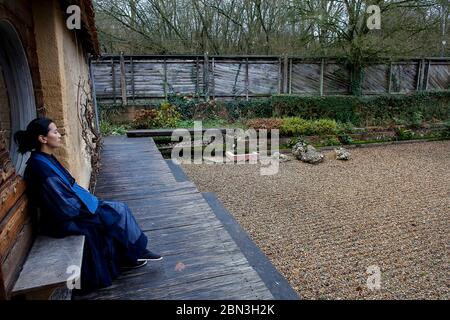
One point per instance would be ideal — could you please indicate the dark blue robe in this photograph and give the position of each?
(112, 235)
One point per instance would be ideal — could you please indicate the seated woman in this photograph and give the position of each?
(113, 239)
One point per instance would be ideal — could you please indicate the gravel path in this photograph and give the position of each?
(323, 225)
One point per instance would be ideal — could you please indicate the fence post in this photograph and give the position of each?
(427, 77)
(390, 77)
(197, 89)
(113, 72)
(213, 82)
(206, 77)
(322, 65)
(165, 78)
(246, 79)
(419, 71)
(123, 83)
(132, 78)
(279, 76)
(285, 74)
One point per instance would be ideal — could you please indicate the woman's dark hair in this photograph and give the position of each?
(27, 140)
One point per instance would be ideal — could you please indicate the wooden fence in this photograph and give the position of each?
(128, 79)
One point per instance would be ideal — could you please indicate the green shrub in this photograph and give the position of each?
(294, 126)
(416, 120)
(145, 119)
(168, 115)
(345, 139)
(403, 134)
(367, 110)
(324, 127)
(264, 123)
(332, 141)
(446, 132)
(108, 129)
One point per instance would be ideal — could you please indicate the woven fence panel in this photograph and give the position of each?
(439, 76)
(336, 79)
(404, 77)
(375, 79)
(305, 78)
(228, 79)
(264, 79)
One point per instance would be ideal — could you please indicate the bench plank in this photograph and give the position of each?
(12, 225)
(10, 192)
(48, 262)
(16, 256)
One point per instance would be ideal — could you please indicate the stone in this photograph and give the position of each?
(281, 157)
(298, 149)
(342, 154)
(311, 155)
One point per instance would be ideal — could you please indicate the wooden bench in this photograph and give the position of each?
(31, 266)
(52, 269)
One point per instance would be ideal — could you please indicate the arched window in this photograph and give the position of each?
(17, 101)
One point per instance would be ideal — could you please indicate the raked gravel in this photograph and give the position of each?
(324, 225)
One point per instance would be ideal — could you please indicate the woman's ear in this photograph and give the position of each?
(42, 139)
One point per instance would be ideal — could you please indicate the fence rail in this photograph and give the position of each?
(127, 79)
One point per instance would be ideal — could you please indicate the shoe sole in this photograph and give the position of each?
(159, 259)
(135, 267)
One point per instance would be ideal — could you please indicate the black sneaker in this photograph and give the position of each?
(137, 264)
(149, 256)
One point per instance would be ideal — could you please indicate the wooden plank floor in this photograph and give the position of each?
(201, 260)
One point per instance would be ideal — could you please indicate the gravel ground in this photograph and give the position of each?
(323, 225)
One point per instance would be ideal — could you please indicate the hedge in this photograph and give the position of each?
(358, 110)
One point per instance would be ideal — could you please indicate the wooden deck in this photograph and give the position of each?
(201, 259)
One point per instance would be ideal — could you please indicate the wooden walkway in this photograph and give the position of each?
(201, 259)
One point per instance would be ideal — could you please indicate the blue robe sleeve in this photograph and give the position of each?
(61, 200)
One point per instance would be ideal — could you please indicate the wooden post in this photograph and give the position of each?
(123, 83)
(419, 70)
(197, 93)
(390, 77)
(280, 89)
(322, 67)
(206, 76)
(285, 74)
(427, 77)
(113, 79)
(165, 77)
(213, 83)
(246, 79)
(132, 78)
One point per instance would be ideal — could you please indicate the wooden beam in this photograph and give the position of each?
(213, 83)
(197, 87)
(427, 76)
(132, 78)
(290, 76)
(246, 79)
(206, 76)
(123, 83)
(419, 74)
(285, 74)
(113, 80)
(280, 83)
(322, 69)
(390, 78)
(165, 77)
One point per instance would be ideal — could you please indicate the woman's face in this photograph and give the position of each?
(53, 138)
